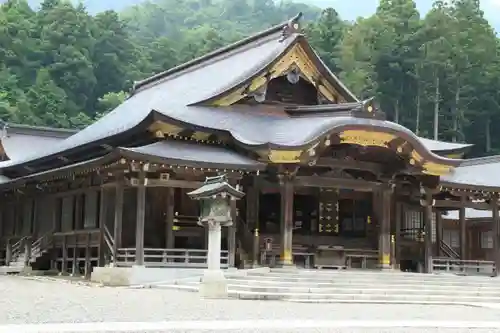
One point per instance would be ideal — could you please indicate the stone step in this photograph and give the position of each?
(447, 288)
(361, 297)
(362, 274)
(350, 284)
(464, 281)
(349, 288)
(349, 298)
(372, 290)
(371, 276)
(10, 270)
(355, 271)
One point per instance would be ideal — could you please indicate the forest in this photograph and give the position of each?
(437, 74)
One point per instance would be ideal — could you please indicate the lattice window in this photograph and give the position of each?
(487, 239)
(452, 238)
(413, 224)
(433, 227)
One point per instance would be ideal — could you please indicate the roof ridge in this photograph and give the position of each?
(140, 84)
(39, 128)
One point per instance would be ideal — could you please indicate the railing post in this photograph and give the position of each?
(8, 252)
(27, 251)
(64, 265)
(164, 256)
(87, 258)
(256, 246)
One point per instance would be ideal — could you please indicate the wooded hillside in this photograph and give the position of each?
(61, 66)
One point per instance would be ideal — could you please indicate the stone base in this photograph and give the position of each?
(213, 285)
(4, 270)
(112, 276)
(140, 275)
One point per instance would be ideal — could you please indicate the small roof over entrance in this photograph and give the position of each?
(191, 155)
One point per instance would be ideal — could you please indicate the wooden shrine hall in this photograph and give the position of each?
(329, 182)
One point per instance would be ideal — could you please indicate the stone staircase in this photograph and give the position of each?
(354, 286)
(40, 248)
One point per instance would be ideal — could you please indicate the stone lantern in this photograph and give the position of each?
(215, 196)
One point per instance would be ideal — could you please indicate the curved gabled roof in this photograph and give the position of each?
(443, 146)
(477, 172)
(171, 97)
(19, 140)
(175, 89)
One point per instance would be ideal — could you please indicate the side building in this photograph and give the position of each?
(329, 181)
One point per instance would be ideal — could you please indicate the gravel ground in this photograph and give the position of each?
(26, 301)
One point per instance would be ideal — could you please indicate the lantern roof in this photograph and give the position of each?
(214, 186)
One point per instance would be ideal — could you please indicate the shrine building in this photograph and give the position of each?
(329, 182)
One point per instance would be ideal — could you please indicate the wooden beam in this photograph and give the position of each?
(286, 191)
(170, 215)
(103, 202)
(140, 220)
(154, 182)
(118, 220)
(463, 229)
(349, 164)
(339, 183)
(459, 204)
(428, 232)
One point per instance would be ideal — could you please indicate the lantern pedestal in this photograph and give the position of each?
(215, 196)
(213, 283)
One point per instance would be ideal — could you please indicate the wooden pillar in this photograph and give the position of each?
(463, 230)
(140, 219)
(496, 232)
(8, 252)
(35, 227)
(398, 215)
(64, 264)
(439, 233)
(27, 251)
(118, 223)
(88, 249)
(76, 256)
(231, 235)
(170, 215)
(56, 225)
(286, 190)
(252, 218)
(385, 229)
(428, 233)
(102, 222)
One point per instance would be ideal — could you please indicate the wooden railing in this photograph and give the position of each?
(189, 258)
(449, 251)
(110, 244)
(185, 221)
(245, 236)
(17, 250)
(362, 256)
(270, 257)
(41, 245)
(305, 257)
(465, 267)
